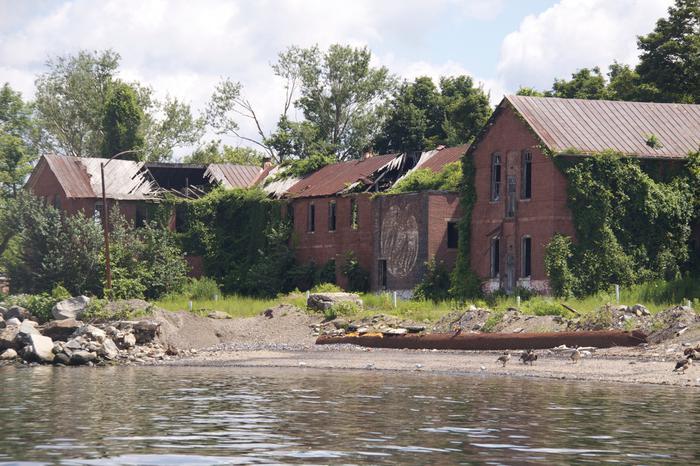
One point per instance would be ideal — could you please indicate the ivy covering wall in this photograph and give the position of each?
(465, 283)
(632, 221)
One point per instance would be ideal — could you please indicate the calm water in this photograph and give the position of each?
(197, 416)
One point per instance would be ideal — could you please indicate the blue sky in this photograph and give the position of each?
(183, 48)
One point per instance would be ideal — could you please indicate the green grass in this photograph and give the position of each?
(656, 296)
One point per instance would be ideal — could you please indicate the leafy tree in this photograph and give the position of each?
(466, 108)
(214, 153)
(297, 140)
(17, 141)
(53, 248)
(122, 119)
(584, 84)
(435, 285)
(424, 179)
(670, 54)
(529, 91)
(422, 116)
(71, 105)
(339, 94)
(167, 125)
(70, 101)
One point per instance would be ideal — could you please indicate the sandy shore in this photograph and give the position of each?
(605, 365)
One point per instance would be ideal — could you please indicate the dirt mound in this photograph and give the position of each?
(473, 319)
(679, 321)
(287, 328)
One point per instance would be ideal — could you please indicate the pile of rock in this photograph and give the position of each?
(376, 324)
(68, 341)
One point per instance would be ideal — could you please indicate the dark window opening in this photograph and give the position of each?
(354, 214)
(331, 216)
(180, 218)
(510, 197)
(382, 273)
(495, 177)
(452, 235)
(97, 213)
(527, 175)
(495, 257)
(527, 256)
(311, 225)
(141, 216)
(290, 214)
(57, 202)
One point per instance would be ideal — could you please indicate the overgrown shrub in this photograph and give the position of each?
(40, 305)
(358, 278)
(343, 308)
(203, 288)
(52, 248)
(465, 283)
(326, 288)
(543, 307)
(435, 285)
(145, 262)
(630, 226)
(326, 274)
(423, 179)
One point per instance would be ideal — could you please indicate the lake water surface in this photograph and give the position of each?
(201, 416)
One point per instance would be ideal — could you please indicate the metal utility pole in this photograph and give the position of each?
(105, 219)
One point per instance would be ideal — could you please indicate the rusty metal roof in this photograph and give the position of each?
(80, 177)
(231, 175)
(334, 178)
(437, 159)
(594, 126)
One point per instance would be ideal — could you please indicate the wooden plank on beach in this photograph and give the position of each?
(492, 341)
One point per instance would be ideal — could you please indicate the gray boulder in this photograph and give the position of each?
(108, 350)
(129, 340)
(91, 333)
(18, 312)
(3, 310)
(2, 322)
(8, 335)
(70, 308)
(26, 329)
(323, 301)
(8, 355)
(14, 321)
(61, 358)
(61, 329)
(81, 357)
(146, 331)
(639, 310)
(39, 348)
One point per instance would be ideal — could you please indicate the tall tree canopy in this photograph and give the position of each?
(668, 70)
(422, 116)
(83, 110)
(670, 58)
(122, 120)
(17, 141)
(212, 152)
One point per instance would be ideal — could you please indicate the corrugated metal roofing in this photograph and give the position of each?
(233, 176)
(334, 178)
(594, 126)
(437, 159)
(80, 177)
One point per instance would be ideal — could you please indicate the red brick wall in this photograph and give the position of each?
(48, 187)
(442, 208)
(322, 245)
(545, 214)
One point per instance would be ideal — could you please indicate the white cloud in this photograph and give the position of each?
(184, 48)
(575, 34)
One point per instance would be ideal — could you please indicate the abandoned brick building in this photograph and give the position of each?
(336, 210)
(74, 184)
(522, 195)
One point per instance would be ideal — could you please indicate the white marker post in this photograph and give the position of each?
(617, 293)
(394, 298)
(517, 301)
(189, 305)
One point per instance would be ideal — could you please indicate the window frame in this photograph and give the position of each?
(332, 215)
(496, 176)
(382, 274)
(526, 256)
(526, 175)
(495, 257)
(311, 218)
(354, 214)
(454, 244)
